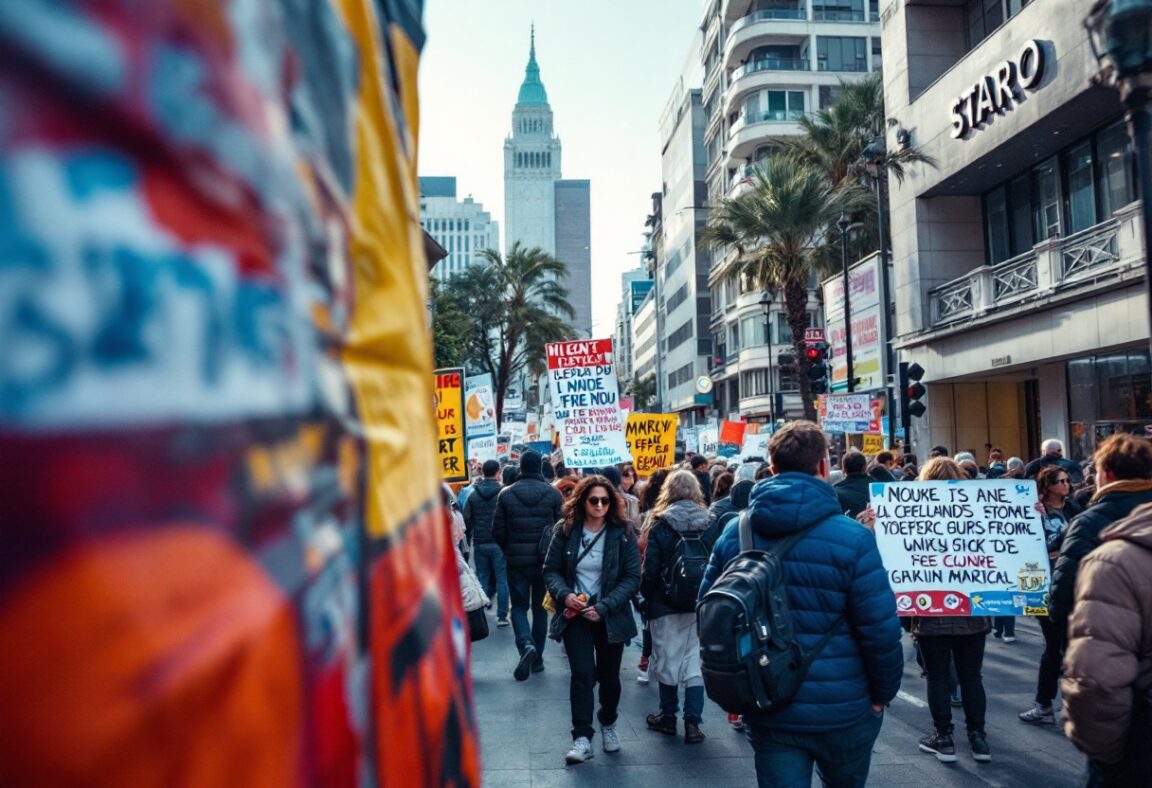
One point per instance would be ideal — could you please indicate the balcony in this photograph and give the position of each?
(773, 64)
(750, 132)
(1056, 266)
(770, 24)
(838, 15)
(771, 74)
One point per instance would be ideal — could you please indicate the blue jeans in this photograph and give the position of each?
(693, 702)
(1004, 625)
(528, 589)
(493, 575)
(785, 760)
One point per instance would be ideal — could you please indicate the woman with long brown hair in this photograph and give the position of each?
(648, 498)
(592, 571)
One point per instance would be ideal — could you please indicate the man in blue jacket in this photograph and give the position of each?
(833, 571)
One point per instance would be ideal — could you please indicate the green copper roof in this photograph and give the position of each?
(532, 90)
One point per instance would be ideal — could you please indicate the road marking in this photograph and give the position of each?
(904, 696)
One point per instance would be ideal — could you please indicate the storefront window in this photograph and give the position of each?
(1107, 395)
(996, 219)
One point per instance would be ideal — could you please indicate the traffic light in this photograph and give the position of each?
(817, 353)
(911, 391)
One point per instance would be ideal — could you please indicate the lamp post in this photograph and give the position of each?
(875, 155)
(1120, 32)
(766, 307)
(843, 223)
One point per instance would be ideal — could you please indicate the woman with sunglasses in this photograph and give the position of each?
(592, 571)
(1054, 488)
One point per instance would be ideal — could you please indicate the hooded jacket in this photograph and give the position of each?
(478, 511)
(679, 519)
(1110, 646)
(737, 501)
(854, 492)
(834, 570)
(524, 511)
(1112, 502)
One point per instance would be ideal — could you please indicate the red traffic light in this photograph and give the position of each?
(916, 390)
(813, 353)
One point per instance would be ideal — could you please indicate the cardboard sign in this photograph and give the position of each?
(708, 439)
(450, 429)
(847, 413)
(652, 440)
(873, 444)
(586, 403)
(755, 442)
(482, 449)
(479, 406)
(691, 439)
(963, 548)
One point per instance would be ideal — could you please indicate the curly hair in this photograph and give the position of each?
(573, 510)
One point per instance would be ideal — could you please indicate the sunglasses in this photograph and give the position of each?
(1062, 481)
(596, 500)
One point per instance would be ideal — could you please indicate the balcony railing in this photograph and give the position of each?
(838, 15)
(858, 66)
(774, 64)
(1050, 266)
(797, 13)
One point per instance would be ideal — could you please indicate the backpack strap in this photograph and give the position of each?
(810, 657)
(780, 548)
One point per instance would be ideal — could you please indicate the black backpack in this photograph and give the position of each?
(749, 656)
(684, 571)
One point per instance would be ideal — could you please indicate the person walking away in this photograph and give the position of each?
(833, 571)
(948, 640)
(524, 511)
(1015, 467)
(1052, 487)
(721, 489)
(648, 498)
(1108, 670)
(490, 567)
(853, 490)
(996, 466)
(738, 499)
(1052, 453)
(884, 468)
(674, 563)
(699, 465)
(592, 570)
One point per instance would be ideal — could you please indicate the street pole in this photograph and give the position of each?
(766, 305)
(886, 294)
(1139, 126)
(843, 224)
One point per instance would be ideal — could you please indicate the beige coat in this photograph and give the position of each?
(1110, 638)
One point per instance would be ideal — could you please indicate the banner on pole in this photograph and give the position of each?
(450, 427)
(586, 403)
(969, 548)
(847, 413)
(652, 440)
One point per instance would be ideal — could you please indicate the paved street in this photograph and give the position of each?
(524, 730)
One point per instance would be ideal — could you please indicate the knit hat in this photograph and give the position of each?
(530, 463)
(939, 451)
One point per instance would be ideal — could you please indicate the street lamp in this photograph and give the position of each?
(843, 223)
(766, 308)
(1120, 33)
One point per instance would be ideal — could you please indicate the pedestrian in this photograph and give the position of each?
(1107, 672)
(525, 511)
(853, 490)
(491, 569)
(699, 465)
(996, 465)
(593, 571)
(627, 478)
(938, 451)
(565, 484)
(738, 498)
(509, 474)
(721, 486)
(1052, 488)
(631, 503)
(1015, 467)
(884, 467)
(1052, 453)
(953, 641)
(678, 525)
(648, 498)
(834, 571)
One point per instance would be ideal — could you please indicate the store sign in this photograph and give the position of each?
(868, 339)
(999, 90)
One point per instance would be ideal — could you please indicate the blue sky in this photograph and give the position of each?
(609, 67)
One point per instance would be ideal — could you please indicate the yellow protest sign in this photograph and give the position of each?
(873, 443)
(450, 425)
(651, 441)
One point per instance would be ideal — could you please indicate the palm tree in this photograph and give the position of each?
(778, 229)
(517, 305)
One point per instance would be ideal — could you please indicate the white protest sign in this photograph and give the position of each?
(691, 439)
(963, 548)
(479, 407)
(709, 439)
(586, 403)
(847, 413)
(755, 443)
(482, 449)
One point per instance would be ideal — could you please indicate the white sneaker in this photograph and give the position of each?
(580, 752)
(609, 738)
(642, 677)
(1009, 638)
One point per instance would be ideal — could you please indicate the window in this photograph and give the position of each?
(1047, 191)
(876, 58)
(840, 53)
(1081, 189)
(680, 335)
(996, 226)
(1020, 222)
(838, 10)
(828, 94)
(752, 332)
(754, 383)
(981, 17)
(1116, 190)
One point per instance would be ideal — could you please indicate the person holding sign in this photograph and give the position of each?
(947, 639)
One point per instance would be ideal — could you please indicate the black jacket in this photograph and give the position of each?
(478, 511)
(1037, 465)
(619, 579)
(705, 485)
(853, 493)
(880, 473)
(682, 517)
(1082, 537)
(523, 511)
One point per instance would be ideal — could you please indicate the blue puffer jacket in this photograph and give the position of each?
(835, 569)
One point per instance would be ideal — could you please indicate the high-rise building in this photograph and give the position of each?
(541, 209)
(766, 64)
(462, 227)
(1017, 260)
(635, 286)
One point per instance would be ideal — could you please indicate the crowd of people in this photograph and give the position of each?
(596, 558)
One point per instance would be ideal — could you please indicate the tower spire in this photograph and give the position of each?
(532, 89)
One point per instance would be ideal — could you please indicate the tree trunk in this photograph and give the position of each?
(796, 310)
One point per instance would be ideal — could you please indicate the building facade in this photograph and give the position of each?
(462, 227)
(766, 64)
(1017, 262)
(634, 286)
(540, 209)
(644, 343)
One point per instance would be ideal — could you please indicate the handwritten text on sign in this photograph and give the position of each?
(847, 413)
(963, 548)
(450, 424)
(652, 441)
(586, 403)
